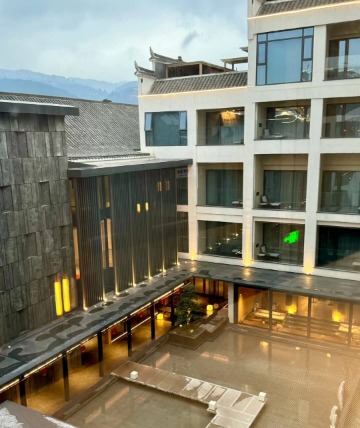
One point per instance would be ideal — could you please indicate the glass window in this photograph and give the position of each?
(290, 313)
(292, 122)
(329, 320)
(340, 192)
(342, 120)
(224, 188)
(166, 129)
(287, 188)
(221, 239)
(148, 121)
(225, 127)
(343, 61)
(182, 186)
(183, 232)
(338, 248)
(287, 56)
(280, 242)
(253, 307)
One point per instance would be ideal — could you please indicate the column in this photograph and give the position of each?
(129, 338)
(152, 315)
(65, 369)
(22, 390)
(172, 306)
(100, 354)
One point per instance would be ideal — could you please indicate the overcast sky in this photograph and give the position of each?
(100, 39)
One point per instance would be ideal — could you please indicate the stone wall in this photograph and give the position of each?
(36, 242)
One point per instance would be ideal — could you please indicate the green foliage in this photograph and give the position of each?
(188, 309)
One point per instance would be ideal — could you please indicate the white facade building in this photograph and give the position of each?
(275, 181)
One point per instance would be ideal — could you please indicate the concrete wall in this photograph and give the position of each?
(35, 220)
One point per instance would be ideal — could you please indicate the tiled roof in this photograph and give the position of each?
(141, 71)
(199, 83)
(102, 128)
(279, 6)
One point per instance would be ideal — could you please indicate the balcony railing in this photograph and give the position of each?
(341, 202)
(340, 67)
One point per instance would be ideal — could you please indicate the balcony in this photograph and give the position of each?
(282, 180)
(283, 121)
(343, 59)
(220, 128)
(220, 185)
(339, 248)
(279, 242)
(340, 190)
(220, 239)
(342, 118)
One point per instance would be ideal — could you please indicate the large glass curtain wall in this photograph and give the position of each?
(284, 56)
(338, 248)
(306, 316)
(220, 239)
(340, 192)
(224, 188)
(287, 188)
(287, 122)
(225, 127)
(343, 61)
(342, 120)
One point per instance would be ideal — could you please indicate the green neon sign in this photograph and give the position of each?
(292, 237)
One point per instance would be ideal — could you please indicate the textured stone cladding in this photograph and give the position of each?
(36, 241)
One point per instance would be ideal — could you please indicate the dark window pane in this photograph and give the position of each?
(224, 188)
(221, 239)
(183, 232)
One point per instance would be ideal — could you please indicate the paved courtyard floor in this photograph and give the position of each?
(301, 382)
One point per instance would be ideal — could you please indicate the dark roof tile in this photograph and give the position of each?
(102, 129)
(199, 83)
(273, 7)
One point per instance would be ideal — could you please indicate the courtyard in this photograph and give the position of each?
(301, 380)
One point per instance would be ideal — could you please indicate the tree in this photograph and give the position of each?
(188, 309)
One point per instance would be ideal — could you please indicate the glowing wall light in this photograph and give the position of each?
(58, 298)
(292, 309)
(138, 208)
(66, 295)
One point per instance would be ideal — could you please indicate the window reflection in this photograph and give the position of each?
(342, 120)
(340, 191)
(221, 239)
(285, 56)
(166, 129)
(339, 248)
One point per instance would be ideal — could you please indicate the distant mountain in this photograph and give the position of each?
(30, 82)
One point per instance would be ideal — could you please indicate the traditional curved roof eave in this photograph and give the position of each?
(154, 57)
(141, 71)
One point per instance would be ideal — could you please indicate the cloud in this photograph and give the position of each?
(100, 39)
(188, 39)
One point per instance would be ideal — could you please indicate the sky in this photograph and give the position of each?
(101, 39)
